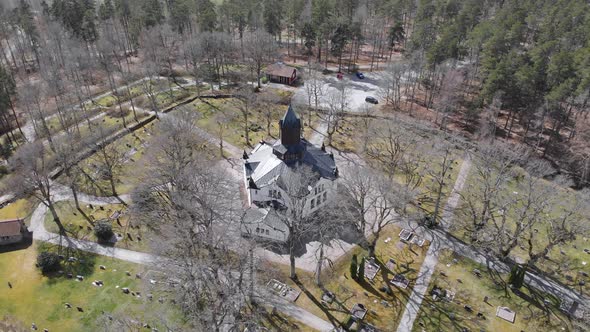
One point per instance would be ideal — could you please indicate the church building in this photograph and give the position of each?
(265, 166)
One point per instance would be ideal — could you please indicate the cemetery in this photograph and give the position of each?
(464, 295)
(379, 302)
(126, 232)
(85, 290)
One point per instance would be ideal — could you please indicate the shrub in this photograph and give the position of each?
(353, 267)
(103, 231)
(48, 262)
(516, 278)
(264, 80)
(361, 273)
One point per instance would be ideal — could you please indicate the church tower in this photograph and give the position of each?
(290, 128)
(290, 147)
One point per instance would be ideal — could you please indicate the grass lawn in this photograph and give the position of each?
(226, 112)
(40, 299)
(349, 138)
(78, 227)
(278, 321)
(21, 208)
(349, 292)
(133, 148)
(436, 315)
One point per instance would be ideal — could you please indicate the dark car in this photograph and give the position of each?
(371, 100)
(360, 75)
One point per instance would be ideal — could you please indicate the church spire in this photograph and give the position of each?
(290, 128)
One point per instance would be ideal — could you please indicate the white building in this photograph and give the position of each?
(267, 163)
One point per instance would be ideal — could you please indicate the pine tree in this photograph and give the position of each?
(106, 10)
(206, 15)
(152, 11)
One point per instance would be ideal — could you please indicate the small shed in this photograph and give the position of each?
(12, 231)
(281, 73)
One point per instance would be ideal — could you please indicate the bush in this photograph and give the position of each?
(48, 262)
(353, 267)
(516, 278)
(361, 273)
(103, 231)
(264, 80)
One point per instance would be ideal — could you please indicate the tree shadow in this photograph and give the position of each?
(333, 320)
(26, 242)
(73, 262)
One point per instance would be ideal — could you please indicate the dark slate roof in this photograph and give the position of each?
(320, 161)
(282, 149)
(290, 119)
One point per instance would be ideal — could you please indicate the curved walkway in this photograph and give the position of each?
(62, 193)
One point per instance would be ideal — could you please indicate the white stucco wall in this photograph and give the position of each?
(264, 231)
(326, 191)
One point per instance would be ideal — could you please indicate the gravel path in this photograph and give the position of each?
(41, 234)
(431, 259)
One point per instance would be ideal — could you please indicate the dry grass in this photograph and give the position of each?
(349, 292)
(436, 315)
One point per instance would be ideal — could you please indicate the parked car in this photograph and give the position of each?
(371, 100)
(360, 75)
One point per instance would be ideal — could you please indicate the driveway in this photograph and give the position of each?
(357, 90)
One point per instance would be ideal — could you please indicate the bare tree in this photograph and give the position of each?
(519, 212)
(295, 183)
(315, 87)
(388, 146)
(32, 168)
(439, 170)
(153, 43)
(493, 168)
(337, 107)
(562, 226)
(245, 101)
(391, 88)
(266, 105)
(110, 160)
(260, 49)
(371, 202)
(450, 93)
(192, 212)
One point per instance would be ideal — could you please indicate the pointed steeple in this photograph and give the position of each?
(290, 128)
